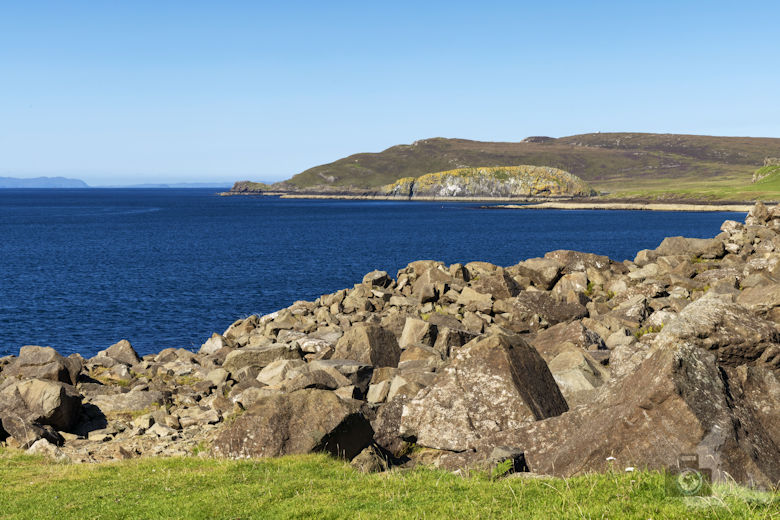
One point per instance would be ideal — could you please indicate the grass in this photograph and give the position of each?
(316, 486)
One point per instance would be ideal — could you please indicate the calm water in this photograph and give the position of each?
(81, 269)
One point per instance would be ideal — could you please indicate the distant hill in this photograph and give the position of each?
(174, 185)
(624, 164)
(42, 182)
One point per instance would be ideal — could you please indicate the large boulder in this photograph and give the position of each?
(300, 422)
(707, 248)
(417, 331)
(534, 310)
(498, 284)
(735, 335)
(543, 272)
(555, 340)
(36, 362)
(370, 344)
(493, 384)
(258, 357)
(698, 390)
(130, 402)
(47, 402)
(121, 352)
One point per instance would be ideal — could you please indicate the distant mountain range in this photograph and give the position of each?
(62, 182)
(174, 185)
(42, 182)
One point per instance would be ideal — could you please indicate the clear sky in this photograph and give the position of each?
(167, 91)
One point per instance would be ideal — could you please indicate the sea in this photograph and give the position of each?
(81, 269)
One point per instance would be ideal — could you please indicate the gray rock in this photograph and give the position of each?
(36, 362)
(492, 384)
(122, 352)
(258, 357)
(370, 344)
(300, 422)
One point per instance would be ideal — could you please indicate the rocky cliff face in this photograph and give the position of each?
(565, 364)
(494, 182)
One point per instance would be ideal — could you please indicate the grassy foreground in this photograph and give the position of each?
(316, 486)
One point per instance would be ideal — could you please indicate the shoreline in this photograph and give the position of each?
(526, 203)
(630, 206)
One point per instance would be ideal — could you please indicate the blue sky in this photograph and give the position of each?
(165, 91)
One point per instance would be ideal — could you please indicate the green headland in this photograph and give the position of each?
(634, 166)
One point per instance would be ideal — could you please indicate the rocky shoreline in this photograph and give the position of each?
(629, 206)
(565, 364)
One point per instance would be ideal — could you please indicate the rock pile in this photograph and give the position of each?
(567, 362)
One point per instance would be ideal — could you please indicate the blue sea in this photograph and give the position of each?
(82, 269)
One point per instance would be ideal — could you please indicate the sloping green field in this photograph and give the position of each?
(316, 486)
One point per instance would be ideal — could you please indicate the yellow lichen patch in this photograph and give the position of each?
(496, 181)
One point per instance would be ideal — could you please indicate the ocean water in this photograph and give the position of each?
(82, 269)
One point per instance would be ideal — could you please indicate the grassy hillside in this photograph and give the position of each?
(316, 486)
(620, 163)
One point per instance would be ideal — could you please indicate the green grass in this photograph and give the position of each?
(316, 486)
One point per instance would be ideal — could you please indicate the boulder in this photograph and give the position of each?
(578, 375)
(451, 338)
(707, 248)
(575, 261)
(214, 344)
(734, 334)
(130, 402)
(576, 282)
(300, 422)
(543, 272)
(760, 298)
(492, 384)
(549, 342)
(322, 379)
(534, 310)
(258, 357)
(678, 402)
(498, 284)
(277, 371)
(19, 422)
(36, 362)
(378, 279)
(48, 402)
(370, 344)
(417, 332)
(387, 426)
(122, 352)
(370, 460)
(358, 374)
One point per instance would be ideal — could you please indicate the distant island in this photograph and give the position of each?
(42, 182)
(619, 166)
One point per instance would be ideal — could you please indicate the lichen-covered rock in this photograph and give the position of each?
(370, 344)
(492, 384)
(300, 422)
(121, 352)
(258, 357)
(36, 362)
(500, 181)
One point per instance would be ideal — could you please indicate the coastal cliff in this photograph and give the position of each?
(493, 182)
(560, 364)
